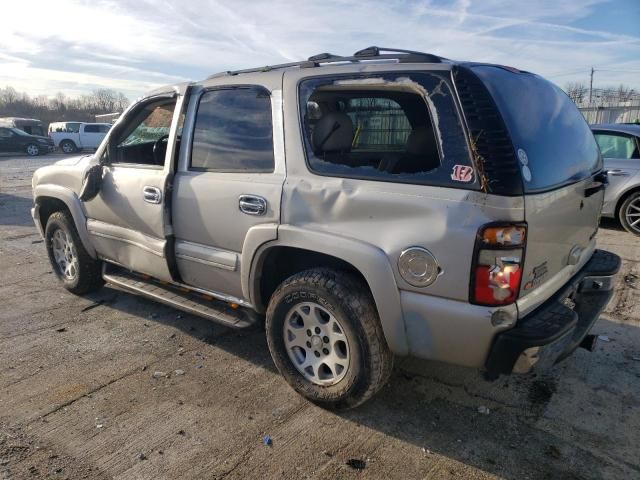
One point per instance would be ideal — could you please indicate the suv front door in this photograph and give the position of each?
(226, 198)
(129, 219)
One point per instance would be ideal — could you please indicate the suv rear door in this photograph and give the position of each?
(228, 185)
(90, 135)
(560, 169)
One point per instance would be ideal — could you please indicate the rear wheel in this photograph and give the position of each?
(33, 150)
(67, 146)
(325, 337)
(71, 263)
(629, 213)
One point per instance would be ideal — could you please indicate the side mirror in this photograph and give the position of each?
(91, 183)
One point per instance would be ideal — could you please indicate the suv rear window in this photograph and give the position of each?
(396, 127)
(545, 124)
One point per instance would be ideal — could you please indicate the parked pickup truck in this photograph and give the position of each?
(363, 207)
(74, 136)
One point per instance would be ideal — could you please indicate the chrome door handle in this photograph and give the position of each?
(252, 204)
(617, 172)
(152, 194)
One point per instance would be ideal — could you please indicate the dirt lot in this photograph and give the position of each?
(78, 397)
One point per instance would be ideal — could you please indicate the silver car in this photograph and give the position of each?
(620, 148)
(368, 206)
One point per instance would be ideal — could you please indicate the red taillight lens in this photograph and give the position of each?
(497, 266)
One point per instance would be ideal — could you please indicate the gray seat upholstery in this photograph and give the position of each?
(421, 153)
(333, 133)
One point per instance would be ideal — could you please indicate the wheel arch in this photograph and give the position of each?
(305, 249)
(54, 198)
(623, 197)
(68, 140)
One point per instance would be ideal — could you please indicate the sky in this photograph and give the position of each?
(76, 46)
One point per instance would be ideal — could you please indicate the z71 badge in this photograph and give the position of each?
(539, 273)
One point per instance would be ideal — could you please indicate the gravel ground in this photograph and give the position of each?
(115, 386)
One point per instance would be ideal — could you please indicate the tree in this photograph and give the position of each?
(60, 107)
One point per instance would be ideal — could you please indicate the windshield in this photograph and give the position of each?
(553, 141)
(20, 132)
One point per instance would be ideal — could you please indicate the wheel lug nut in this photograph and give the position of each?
(325, 351)
(308, 333)
(325, 339)
(317, 353)
(317, 329)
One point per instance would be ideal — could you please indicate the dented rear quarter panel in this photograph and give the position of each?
(390, 217)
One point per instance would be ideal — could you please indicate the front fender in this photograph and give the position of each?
(74, 205)
(369, 260)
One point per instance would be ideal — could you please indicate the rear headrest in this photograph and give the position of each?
(333, 133)
(420, 141)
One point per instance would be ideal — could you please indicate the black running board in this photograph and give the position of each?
(188, 301)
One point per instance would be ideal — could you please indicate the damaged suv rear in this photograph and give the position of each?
(369, 206)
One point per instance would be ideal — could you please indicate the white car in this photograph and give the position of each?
(73, 136)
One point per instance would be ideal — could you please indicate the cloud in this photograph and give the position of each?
(136, 45)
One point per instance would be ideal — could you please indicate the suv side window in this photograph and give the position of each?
(233, 131)
(91, 129)
(143, 137)
(6, 133)
(617, 145)
(396, 127)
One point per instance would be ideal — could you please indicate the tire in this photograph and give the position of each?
(630, 212)
(32, 150)
(84, 274)
(338, 297)
(67, 146)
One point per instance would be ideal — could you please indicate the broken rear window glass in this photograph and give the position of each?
(394, 127)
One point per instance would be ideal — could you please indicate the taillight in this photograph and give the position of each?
(497, 264)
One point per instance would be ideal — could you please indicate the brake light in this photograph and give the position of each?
(497, 264)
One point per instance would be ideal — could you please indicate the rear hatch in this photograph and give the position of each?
(560, 167)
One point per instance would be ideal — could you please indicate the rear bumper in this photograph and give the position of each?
(556, 328)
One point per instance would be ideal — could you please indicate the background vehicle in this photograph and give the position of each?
(15, 140)
(369, 206)
(73, 136)
(620, 148)
(32, 126)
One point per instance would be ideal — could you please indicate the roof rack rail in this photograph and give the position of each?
(369, 53)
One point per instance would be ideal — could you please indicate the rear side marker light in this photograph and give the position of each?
(497, 265)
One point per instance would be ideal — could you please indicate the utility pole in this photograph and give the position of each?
(591, 86)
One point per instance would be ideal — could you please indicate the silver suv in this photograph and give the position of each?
(388, 203)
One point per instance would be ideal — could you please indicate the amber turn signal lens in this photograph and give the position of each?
(512, 236)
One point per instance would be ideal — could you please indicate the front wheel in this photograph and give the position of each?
(71, 263)
(630, 213)
(325, 337)
(33, 150)
(67, 146)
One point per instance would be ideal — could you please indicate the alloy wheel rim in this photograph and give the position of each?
(316, 344)
(632, 214)
(65, 255)
(66, 148)
(32, 150)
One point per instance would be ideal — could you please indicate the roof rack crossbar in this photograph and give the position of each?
(369, 53)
